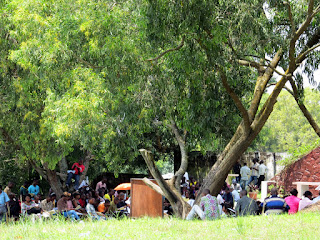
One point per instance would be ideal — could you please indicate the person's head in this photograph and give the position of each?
(308, 194)
(121, 196)
(83, 196)
(107, 204)
(111, 192)
(187, 194)
(12, 196)
(76, 195)
(231, 189)
(193, 187)
(66, 196)
(53, 196)
(92, 201)
(255, 160)
(104, 179)
(274, 191)
(234, 181)
(294, 192)
(10, 184)
(243, 193)
(26, 184)
(35, 182)
(227, 190)
(205, 192)
(49, 199)
(101, 192)
(36, 198)
(261, 162)
(28, 198)
(116, 200)
(80, 161)
(245, 164)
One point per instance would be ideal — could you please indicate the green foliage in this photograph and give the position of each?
(287, 130)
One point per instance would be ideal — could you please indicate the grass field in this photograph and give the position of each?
(300, 226)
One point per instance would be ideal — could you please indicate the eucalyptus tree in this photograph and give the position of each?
(235, 36)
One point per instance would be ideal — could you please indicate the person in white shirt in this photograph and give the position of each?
(235, 194)
(315, 200)
(262, 172)
(255, 172)
(245, 173)
(306, 201)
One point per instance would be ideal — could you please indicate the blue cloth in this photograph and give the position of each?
(34, 190)
(3, 198)
(76, 178)
(71, 213)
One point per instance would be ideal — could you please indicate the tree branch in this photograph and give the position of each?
(167, 51)
(303, 55)
(184, 155)
(254, 64)
(303, 108)
(235, 99)
(293, 27)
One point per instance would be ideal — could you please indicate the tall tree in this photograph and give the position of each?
(234, 36)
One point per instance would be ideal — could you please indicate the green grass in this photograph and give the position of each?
(300, 226)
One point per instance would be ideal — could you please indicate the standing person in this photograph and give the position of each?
(24, 191)
(245, 173)
(4, 204)
(208, 207)
(245, 205)
(102, 184)
(255, 172)
(262, 172)
(34, 188)
(293, 201)
(75, 172)
(306, 201)
(236, 170)
(8, 189)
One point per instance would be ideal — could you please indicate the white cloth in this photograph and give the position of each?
(304, 202)
(245, 173)
(191, 202)
(235, 195)
(220, 199)
(254, 171)
(316, 199)
(262, 169)
(186, 175)
(195, 210)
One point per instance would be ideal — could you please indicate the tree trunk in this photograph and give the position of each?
(55, 183)
(166, 188)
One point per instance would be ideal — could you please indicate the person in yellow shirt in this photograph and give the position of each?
(110, 195)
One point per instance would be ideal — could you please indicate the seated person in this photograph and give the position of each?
(82, 201)
(246, 205)
(63, 207)
(228, 198)
(28, 207)
(274, 204)
(306, 201)
(113, 206)
(14, 206)
(92, 212)
(121, 202)
(110, 195)
(37, 201)
(47, 204)
(104, 207)
(76, 203)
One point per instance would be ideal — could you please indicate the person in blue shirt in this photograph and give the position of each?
(4, 204)
(34, 189)
(274, 204)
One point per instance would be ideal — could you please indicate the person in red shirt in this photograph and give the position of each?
(75, 172)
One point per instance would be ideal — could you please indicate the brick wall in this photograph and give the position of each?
(306, 169)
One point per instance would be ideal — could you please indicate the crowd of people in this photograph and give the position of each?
(97, 204)
(101, 203)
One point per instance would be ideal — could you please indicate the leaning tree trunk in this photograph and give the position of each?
(166, 188)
